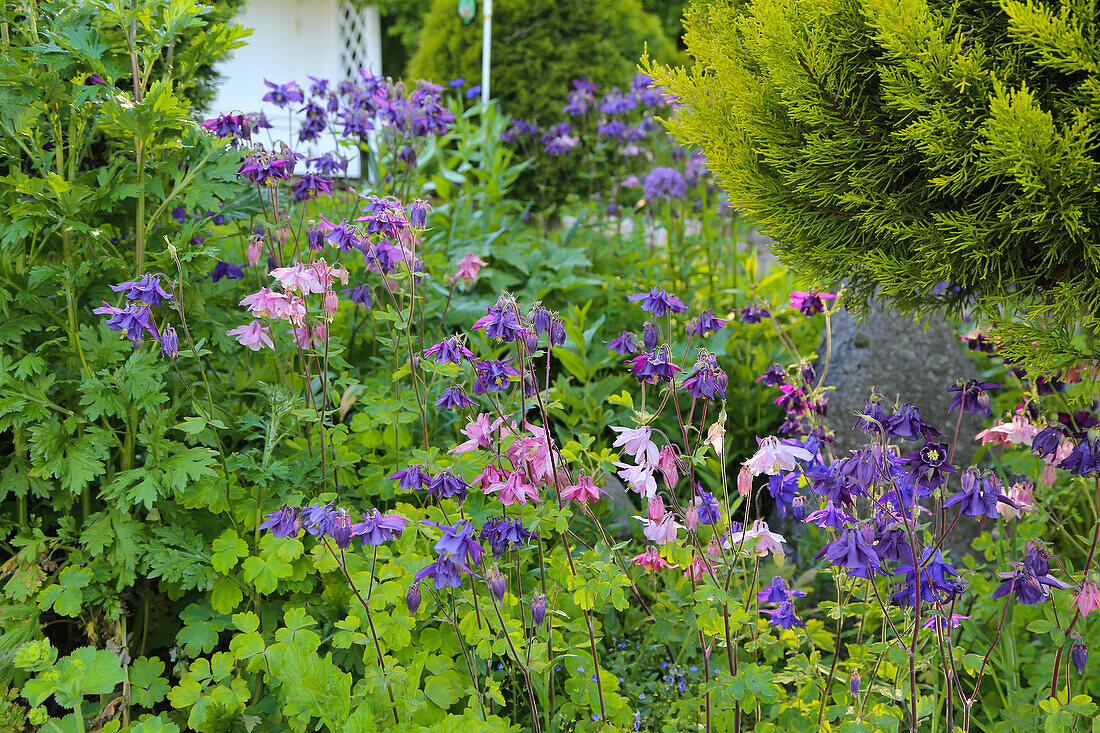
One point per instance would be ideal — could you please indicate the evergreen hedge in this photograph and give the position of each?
(539, 46)
(925, 151)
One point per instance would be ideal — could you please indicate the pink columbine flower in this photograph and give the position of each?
(1050, 473)
(467, 268)
(669, 466)
(514, 490)
(638, 478)
(767, 542)
(255, 249)
(479, 432)
(299, 277)
(1088, 599)
(315, 334)
(638, 443)
(532, 453)
(267, 303)
(1023, 495)
(583, 490)
(651, 560)
(774, 457)
(661, 532)
(744, 481)
(655, 510)
(698, 568)
(489, 475)
(1019, 431)
(255, 335)
(716, 435)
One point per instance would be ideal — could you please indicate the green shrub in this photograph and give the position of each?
(538, 47)
(899, 145)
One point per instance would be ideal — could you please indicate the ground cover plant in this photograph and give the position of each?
(288, 451)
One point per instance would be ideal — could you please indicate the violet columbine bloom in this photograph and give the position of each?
(538, 609)
(1027, 587)
(972, 396)
(319, 519)
(227, 270)
(446, 485)
(360, 294)
(906, 424)
(623, 344)
(754, 314)
(707, 324)
(811, 303)
(979, 495)
(493, 375)
(497, 584)
(708, 382)
(169, 342)
(893, 544)
(449, 349)
(1080, 656)
(873, 418)
(831, 516)
(282, 94)
(853, 551)
(1084, 459)
(377, 528)
(826, 481)
(135, 319)
(454, 398)
(283, 523)
(501, 322)
(783, 489)
(784, 616)
(503, 533)
(411, 478)
(928, 466)
(310, 185)
(1046, 441)
(412, 599)
(778, 592)
(709, 512)
(146, 289)
(659, 302)
(938, 582)
(418, 213)
(444, 573)
(458, 541)
(773, 376)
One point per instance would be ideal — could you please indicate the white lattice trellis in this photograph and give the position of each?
(359, 34)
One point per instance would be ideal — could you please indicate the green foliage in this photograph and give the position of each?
(539, 47)
(897, 145)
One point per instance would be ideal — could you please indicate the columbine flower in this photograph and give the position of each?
(767, 542)
(831, 516)
(638, 443)
(810, 304)
(1084, 459)
(651, 335)
(1087, 599)
(651, 560)
(638, 478)
(501, 322)
(1028, 587)
(708, 382)
(450, 349)
(255, 335)
(623, 344)
(753, 314)
(706, 324)
(1022, 500)
(411, 478)
(662, 531)
(503, 534)
(946, 624)
(446, 485)
(282, 94)
(1080, 656)
(778, 592)
(514, 490)
(493, 375)
(928, 466)
(774, 457)
(454, 398)
(655, 365)
(169, 342)
(938, 583)
(907, 424)
(267, 303)
(538, 609)
(773, 376)
(978, 496)
(300, 277)
(1019, 431)
(480, 434)
(377, 528)
(852, 551)
(458, 541)
(283, 523)
(582, 490)
(659, 302)
(147, 289)
(135, 319)
(972, 396)
(783, 616)
(1046, 441)
(716, 434)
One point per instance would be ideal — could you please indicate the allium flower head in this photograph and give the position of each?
(664, 184)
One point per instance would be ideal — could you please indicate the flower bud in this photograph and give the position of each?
(255, 249)
(418, 213)
(691, 516)
(806, 370)
(853, 684)
(496, 583)
(530, 389)
(1080, 655)
(531, 341)
(169, 342)
(557, 333)
(655, 510)
(744, 481)
(332, 302)
(650, 335)
(798, 509)
(282, 234)
(538, 609)
(412, 600)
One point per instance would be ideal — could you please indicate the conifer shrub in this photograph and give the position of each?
(539, 46)
(922, 151)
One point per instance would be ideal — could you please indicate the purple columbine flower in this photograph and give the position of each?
(659, 302)
(449, 349)
(1080, 656)
(893, 544)
(227, 270)
(663, 183)
(773, 376)
(282, 94)
(853, 551)
(538, 609)
(377, 528)
(411, 478)
(623, 344)
(926, 467)
(135, 319)
(972, 396)
(706, 324)
(1046, 441)
(778, 592)
(1084, 459)
(454, 398)
(831, 516)
(754, 314)
(493, 375)
(179, 214)
(501, 322)
(458, 541)
(169, 342)
(146, 289)
(873, 418)
(283, 523)
(655, 365)
(708, 509)
(360, 294)
(783, 616)
(412, 599)
(708, 382)
(1028, 588)
(503, 533)
(497, 584)
(444, 573)
(310, 185)
(979, 495)
(446, 485)
(938, 583)
(319, 519)
(906, 424)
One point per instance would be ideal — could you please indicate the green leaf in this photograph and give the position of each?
(441, 692)
(147, 687)
(226, 549)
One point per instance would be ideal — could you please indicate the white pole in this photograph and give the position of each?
(486, 47)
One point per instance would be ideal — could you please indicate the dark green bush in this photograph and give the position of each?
(920, 150)
(539, 46)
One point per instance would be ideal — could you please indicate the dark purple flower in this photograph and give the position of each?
(454, 398)
(450, 349)
(938, 582)
(226, 126)
(708, 510)
(706, 324)
(377, 528)
(664, 183)
(264, 169)
(446, 485)
(179, 214)
(283, 523)
(458, 541)
(1084, 459)
(1080, 656)
(655, 365)
(783, 616)
(359, 294)
(773, 376)
(651, 335)
(754, 314)
(135, 319)
(503, 533)
(538, 609)
(557, 332)
(473, 92)
(623, 344)
(329, 164)
(810, 303)
(873, 419)
(445, 572)
(227, 270)
(1028, 588)
(1046, 441)
(169, 342)
(497, 585)
(500, 323)
(926, 467)
(853, 551)
(418, 213)
(853, 683)
(708, 382)
(282, 94)
(413, 477)
(147, 289)
(412, 600)
(893, 544)
(319, 519)
(906, 424)
(94, 80)
(979, 495)
(972, 396)
(310, 185)
(617, 103)
(831, 516)
(493, 375)
(659, 302)
(778, 592)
